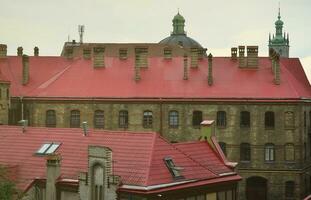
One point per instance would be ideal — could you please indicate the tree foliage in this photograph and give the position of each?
(7, 187)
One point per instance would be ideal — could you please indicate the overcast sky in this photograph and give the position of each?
(218, 25)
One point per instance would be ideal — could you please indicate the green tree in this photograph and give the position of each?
(7, 187)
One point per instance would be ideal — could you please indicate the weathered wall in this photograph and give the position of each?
(4, 103)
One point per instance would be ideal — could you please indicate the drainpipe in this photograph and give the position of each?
(22, 107)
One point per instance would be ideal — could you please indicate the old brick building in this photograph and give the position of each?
(261, 104)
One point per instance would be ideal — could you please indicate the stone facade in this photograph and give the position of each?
(292, 126)
(4, 102)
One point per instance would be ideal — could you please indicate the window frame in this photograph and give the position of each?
(50, 118)
(99, 119)
(286, 146)
(221, 119)
(173, 119)
(123, 119)
(269, 152)
(147, 119)
(75, 118)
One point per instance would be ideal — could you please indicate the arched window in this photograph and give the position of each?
(223, 147)
(221, 119)
(99, 119)
(197, 118)
(123, 119)
(269, 152)
(50, 118)
(75, 119)
(173, 119)
(289, 189)
(245, 152)
(147, 119)
(289, 119)
(289, 152)
(98, 180)
(245, 119)
(269, 120)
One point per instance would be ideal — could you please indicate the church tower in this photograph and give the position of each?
(279, 41)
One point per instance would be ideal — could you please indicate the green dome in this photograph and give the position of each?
(178, 17)
(279, 22)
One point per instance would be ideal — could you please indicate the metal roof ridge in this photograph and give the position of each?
(150, 158)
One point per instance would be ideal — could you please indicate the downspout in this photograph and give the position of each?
(22, 107)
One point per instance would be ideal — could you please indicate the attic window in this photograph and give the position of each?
(175, 171)
(167, 53)
(48, 148)
(123, 54)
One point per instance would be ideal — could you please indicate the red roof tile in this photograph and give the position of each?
(59, 77)
(137, 157)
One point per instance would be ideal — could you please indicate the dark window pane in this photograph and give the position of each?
(245, 119)
(197, 118)
(50, 119)
(123, 119)
(269, 119)
(269, 152)
(245, 152)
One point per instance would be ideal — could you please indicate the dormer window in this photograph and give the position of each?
(174, 170)
(48, 148)
(123, 54)
(167, 53)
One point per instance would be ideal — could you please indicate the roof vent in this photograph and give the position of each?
(84, 128)
(24, 124)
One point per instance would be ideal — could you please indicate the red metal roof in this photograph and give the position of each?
(55, 77)
(137, 157)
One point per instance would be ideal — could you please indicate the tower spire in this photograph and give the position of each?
(279, 15)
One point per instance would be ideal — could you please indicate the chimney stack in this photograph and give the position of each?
(234, 53)
(3, 51)
(137, 70)
(275, 59)
(210, 69)
(207, 131)
(242, 61)
(36, 51)
(52, 173)
(25, 62)
(98, 57)
(185, 67)
(20, 51)
(69, 52)
(194, 57)
(252, 56)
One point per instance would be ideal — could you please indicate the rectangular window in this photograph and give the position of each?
(168, 53)
(221, 119)
(197, 119)
(245, 119)
(123, 119)
(99, 119)
(173, 119)
(75, 119)
(147, 119)
(141, 57)
(48, 148)
(269, 152)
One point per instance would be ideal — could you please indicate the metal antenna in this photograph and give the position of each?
(81, 32)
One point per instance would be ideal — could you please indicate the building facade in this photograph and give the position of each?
(261, 105)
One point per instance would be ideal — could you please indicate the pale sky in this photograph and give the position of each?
(217, 25)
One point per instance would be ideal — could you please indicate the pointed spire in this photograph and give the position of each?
(279, 15)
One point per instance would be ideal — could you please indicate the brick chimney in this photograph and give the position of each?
(242, 60)
(210, 69)
(87, 54)
(20, 51)
(69, 52)
(3, 50)
(36, 51)
(25, 62)
(98, 57)
(207, 131)
(252, 56)
(234, 53)
(185, 67)
(52, 173)
(194, 57)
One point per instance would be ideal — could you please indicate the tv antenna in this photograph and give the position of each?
(81, 32)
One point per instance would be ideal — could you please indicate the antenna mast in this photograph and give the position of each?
(81, 32)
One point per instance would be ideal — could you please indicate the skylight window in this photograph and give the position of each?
(174, 170)
(47, 148)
